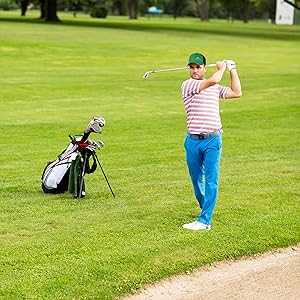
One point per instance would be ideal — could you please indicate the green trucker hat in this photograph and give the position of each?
(197, 58)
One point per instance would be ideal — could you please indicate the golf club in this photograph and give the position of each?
(146, 75)
(95, 125)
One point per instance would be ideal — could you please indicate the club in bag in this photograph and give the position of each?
(95, 125)
(89, 147)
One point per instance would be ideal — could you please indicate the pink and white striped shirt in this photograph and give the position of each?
(202, 108)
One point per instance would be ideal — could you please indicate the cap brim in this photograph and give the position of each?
(194, 62)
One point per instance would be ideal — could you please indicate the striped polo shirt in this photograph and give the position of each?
(202, 108)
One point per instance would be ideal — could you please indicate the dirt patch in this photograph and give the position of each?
(272, 275)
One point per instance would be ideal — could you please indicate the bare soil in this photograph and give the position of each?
(274, 275)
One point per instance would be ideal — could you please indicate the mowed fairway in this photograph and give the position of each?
(54, 78)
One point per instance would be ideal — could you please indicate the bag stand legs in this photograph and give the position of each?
(85, 158)
(95, 155)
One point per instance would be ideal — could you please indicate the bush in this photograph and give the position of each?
(8, 5)
(98, 12)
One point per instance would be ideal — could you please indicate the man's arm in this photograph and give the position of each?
(215, 78)
(235, 91)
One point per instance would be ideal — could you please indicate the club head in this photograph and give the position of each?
(93, 145)
(146, 75)
(100, 144)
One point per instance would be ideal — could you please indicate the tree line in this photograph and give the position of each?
(203, 9)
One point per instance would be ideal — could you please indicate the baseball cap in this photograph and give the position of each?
(197, 58)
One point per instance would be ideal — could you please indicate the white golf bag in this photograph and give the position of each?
(66, 173)
(55, 177)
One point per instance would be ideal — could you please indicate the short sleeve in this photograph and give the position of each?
(222, 91)
(190, 87)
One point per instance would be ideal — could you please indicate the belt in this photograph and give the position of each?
(205, 135)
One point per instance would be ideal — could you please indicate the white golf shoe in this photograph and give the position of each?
(196, 226)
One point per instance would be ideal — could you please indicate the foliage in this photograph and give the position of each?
(55, 77)
(220, 8)
(98, 9)
(294, 3)
(8, 4)
(232, 9)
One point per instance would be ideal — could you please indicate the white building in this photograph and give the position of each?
(284, 13)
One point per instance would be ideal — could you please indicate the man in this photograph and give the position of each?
(203, 143)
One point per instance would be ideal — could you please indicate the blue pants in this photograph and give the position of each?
(203, 161)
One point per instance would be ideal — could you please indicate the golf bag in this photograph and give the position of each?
(66, 173)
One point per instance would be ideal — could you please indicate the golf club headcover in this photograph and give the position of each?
(95, 125)
(230, 64)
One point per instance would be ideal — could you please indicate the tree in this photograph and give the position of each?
(244, 6)
(202, 7)
(205, 10)
(178, 6)
(229, 6)
(24, 5)
(119, 6)
(238, 9)
(133, 9)
(42, 9)
(266, 8)
(296, 4)
(198, 8)
(49, 10)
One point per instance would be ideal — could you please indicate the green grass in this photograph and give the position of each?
(54, 78)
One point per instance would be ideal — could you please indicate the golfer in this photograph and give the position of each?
(203, 143)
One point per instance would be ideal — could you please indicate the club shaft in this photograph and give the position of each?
(167, 70)
(176, 69)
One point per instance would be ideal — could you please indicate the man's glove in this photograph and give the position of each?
(230, 64)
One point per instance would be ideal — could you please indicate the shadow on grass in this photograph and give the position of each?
(269, 33)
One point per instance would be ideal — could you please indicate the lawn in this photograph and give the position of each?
(55, 77)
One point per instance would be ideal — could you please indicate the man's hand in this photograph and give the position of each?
(221, 64)
(230, 64)
(215, 78)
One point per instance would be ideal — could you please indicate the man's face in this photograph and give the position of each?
(197, 71)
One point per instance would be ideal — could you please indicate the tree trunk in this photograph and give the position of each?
(119, 6)
(24, 4)
(133, 9)
(245, 10)
(205, 14)
(198, 8)
(51, 9)
(43, 9)
(178, 7)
